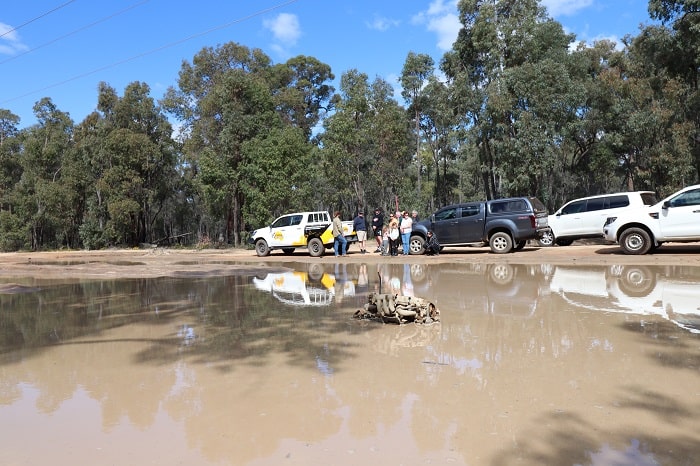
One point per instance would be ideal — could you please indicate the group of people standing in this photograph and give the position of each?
(396, 232)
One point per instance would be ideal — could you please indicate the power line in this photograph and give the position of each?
(34, 19)
(75, 31)
(152, 51)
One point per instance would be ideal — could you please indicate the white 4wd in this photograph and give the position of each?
(674, 219)
(312, 230)
(584, 218)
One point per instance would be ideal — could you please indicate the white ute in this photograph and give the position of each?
(310, 230)
(674, 219)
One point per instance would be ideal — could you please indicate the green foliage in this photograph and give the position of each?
(516, 111)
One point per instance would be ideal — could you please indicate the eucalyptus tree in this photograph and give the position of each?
(674, 47)
(302, 91)
(11, 233)
(10, 168)
(366, 146)
(510, 66)
(662, 123)
(42, 202)
(131, 156)
(230, 96)
(417, 69)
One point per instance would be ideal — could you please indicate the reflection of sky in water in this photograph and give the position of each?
(632, 455)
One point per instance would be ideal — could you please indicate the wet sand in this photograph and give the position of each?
(166, 262)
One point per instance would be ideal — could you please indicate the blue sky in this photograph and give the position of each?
(62, 49)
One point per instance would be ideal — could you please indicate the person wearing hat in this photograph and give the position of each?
(360, 226)
(377, 225)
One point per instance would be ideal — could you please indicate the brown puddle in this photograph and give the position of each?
(530, 365)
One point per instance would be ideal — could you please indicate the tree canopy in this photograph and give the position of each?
(516, 107)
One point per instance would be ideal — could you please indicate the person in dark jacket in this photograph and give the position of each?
(359, 225)
(432, 245)
(377, 224)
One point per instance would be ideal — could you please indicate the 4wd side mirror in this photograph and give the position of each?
(666, 205)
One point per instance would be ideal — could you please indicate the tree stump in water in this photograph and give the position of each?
(398, 309)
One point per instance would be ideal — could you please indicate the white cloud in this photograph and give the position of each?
(285, 27)
(10, 43)
(446, 27)
(382, 24)
(557, 8)
(441, 18)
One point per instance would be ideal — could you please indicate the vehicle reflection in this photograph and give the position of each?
(669, 292)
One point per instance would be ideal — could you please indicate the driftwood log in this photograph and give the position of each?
(398, 309)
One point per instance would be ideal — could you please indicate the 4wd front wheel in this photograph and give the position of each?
(635, 241)
(501, 243)
(416, 245)
(316, 247)
(261, 248)
(547, 239)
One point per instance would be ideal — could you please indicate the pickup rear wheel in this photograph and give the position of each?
(501, 242)
(316, 248)
(262, 248)
(635, 241)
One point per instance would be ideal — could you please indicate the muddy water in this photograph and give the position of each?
(530, 365)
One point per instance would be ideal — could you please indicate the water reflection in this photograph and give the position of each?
(530, 364)
(672, 293)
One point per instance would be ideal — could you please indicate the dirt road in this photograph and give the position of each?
(116, 263)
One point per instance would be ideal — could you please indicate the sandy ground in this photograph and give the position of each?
(115, 263)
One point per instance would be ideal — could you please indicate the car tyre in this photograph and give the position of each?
(416, 245)
(502, 274)
(501, 243)
(635, 241)
(316, 247)
(261, 248)
(637, 282)
(547, 239)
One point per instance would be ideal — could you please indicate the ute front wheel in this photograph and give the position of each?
(261, 248)
(501, 243)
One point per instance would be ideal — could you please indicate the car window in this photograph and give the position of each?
(517, 206)
(537, 205)
(281, 222)
(687, 198)
(446, 214)
(497, 207)
(649, 199)
(470, 210)
(295, 220)
(594, 204)
(573, 208)
(618, 201)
